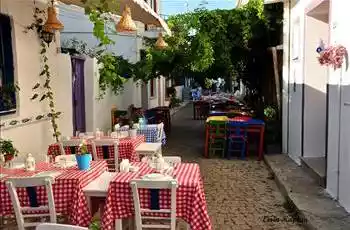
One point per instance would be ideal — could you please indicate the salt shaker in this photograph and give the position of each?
(30, 163)
(98, 134)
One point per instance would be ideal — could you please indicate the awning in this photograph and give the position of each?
(140, 11)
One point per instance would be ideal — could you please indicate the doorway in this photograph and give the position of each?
(78, 94)
(314, 131)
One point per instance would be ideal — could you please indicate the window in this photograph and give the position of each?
(153, 87)
(7, 86)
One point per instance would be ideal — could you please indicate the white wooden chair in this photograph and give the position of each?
(69, 143)
(172, 160)
(48, 226)
(153, 184)
(20, 212)
(99, 186)
(112, 163)
(160, 131)
(70, 157)
(149, 149)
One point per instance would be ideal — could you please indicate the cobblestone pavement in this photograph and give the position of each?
(240, 195)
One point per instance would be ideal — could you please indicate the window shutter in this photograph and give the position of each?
(8, 94)
(6, 40)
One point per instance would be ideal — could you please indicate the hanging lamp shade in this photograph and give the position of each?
(160, 43)
(52, 23)
(126, 24)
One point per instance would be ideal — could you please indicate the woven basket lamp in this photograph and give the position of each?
(126, 24)
(52, 23)
(160, 43)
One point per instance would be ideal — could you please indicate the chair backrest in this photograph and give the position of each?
(69, 157)
(217, 128)
(72, 144)
(49, 226)
(152, 184)
(172, 159)
(112, 162)
(237, 128)
(20, 212)
(160, 130)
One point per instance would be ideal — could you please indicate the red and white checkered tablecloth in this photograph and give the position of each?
(67, 189)
(126, 149)
(190, 199)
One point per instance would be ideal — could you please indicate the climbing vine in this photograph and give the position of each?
(99, 12)
(42, 89)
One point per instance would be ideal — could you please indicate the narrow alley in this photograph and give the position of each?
(240, 193)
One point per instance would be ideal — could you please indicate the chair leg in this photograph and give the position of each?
(243, 150)
(229, 150)
(246, 148)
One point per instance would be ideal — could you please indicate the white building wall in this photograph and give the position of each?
(128, 45)
(338, 160)
(315, 87)
(34, 137)
(338, 145)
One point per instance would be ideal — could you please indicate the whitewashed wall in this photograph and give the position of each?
(315, 89)
(338, 160)
(338, 145)
(293, 79)
(34, 138)
(128, 45)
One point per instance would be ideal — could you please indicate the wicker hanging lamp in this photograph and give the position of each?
(160, 43)
(52, 23)
(126, 24)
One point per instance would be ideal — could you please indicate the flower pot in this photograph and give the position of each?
(83, 161)
(133, 133)
(9, 158)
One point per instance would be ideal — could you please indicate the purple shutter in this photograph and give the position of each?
(78, 94)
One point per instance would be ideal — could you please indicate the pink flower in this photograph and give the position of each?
(333, 56)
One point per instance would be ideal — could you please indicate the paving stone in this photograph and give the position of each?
(239, 193)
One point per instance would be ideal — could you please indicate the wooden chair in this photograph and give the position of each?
(217, 137)
(147, 184)
(112, 162)
(69, 157)
(48, 226)
(160, 128)
(172, 160)
(149, 149)
(98, 187)
(20, 212)
(71, 144)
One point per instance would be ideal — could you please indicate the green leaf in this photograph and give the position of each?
(43, 97)
(34, 96)
(36, 86)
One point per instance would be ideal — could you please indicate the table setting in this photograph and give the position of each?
(126, 149)
(191, 204)
(67, 187)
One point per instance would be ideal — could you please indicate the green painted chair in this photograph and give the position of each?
(217, 137)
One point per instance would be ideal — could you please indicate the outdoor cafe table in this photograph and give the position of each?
(190, 198)
(149, 131)
(67, 190)
(254, 126)
(126, 149)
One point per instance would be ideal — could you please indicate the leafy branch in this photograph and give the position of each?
(42, 89)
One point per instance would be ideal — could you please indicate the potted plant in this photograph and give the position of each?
(83, 156)
(7, 150)
(272, 130)
(132, 129)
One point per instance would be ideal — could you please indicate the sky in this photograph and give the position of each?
(171, 7)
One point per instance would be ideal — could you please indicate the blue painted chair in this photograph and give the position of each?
(237, 135)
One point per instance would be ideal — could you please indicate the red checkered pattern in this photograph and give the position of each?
(126, 149)
(67, 189)
(190, 201)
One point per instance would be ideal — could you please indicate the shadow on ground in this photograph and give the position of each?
(240, 193)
